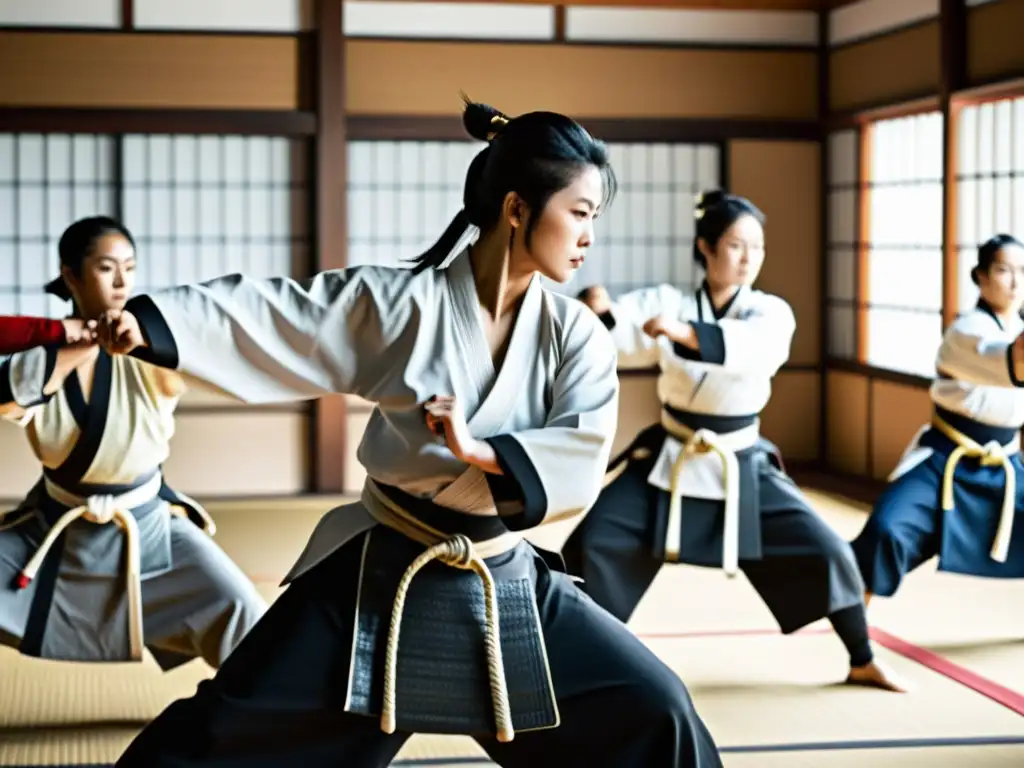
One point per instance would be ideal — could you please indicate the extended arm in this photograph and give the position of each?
(277, 339)
(972, 353)
(18, 334)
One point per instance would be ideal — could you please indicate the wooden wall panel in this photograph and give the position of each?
(357, 414)
(783, 179)
(212, 454)
(792, 417)
(847, 429)
(120, 70)
(898, 411)
(993, 41)
(885, 69)
(639, 408)
(239, 454)
(424, 78)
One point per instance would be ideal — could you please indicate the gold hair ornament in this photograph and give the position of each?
(499, 120)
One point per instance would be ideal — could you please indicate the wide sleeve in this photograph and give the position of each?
(18, 334)
(971, 352)
(625, 321)
(24, 376)
(557, 471)
(278, 339)
(758, 342)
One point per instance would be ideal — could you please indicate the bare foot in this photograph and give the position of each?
(875, 675)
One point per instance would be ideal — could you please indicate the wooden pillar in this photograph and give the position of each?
(953, 77)
(330, 207)
(824, 51)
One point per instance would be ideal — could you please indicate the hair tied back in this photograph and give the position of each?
(707, 200)
(482, 121)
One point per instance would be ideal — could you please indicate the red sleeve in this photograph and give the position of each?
(20, 333)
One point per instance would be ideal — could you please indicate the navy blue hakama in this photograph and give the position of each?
(908, 525)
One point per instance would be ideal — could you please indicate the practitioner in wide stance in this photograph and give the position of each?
(102, 558)
(702, 487)
(19, 333)
(421, 608)
(955, 492)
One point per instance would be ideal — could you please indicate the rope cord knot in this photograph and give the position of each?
(100, 509)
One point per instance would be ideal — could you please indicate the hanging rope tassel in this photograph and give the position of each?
(457, 552)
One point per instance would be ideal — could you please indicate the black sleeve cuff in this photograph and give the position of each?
(518, 493)
(1012, 368)
(161, 349)
(711, 343)
(7, 392)
(607, 319)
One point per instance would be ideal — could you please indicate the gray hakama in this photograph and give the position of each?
(102, 558)
(375, 638)
(734, 506)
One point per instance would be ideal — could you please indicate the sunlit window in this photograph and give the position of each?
(902, 255)
(990, 182)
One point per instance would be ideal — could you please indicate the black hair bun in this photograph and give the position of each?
(710, 199)
(482, 121)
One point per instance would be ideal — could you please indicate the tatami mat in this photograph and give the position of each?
(770, 700)
(975, 623)
(923, 757)
(779, 690)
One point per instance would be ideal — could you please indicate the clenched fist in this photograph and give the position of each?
(446, 419)
(119, 332)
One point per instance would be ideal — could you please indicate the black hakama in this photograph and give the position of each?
(801, 567)
(279, 700)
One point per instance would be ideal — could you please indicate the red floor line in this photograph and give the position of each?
(725, 633)
(989, 688)
(1000, 694)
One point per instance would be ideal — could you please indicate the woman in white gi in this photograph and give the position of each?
(955, 492)
(496, 408)
(102, 558)
(702, 487)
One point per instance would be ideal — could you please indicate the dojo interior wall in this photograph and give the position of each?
(191, 65)
(888, 66)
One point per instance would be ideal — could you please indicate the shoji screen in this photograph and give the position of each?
(904, 248)
(990, 182)
(402, 194)
(203, 206)
(46, 182)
